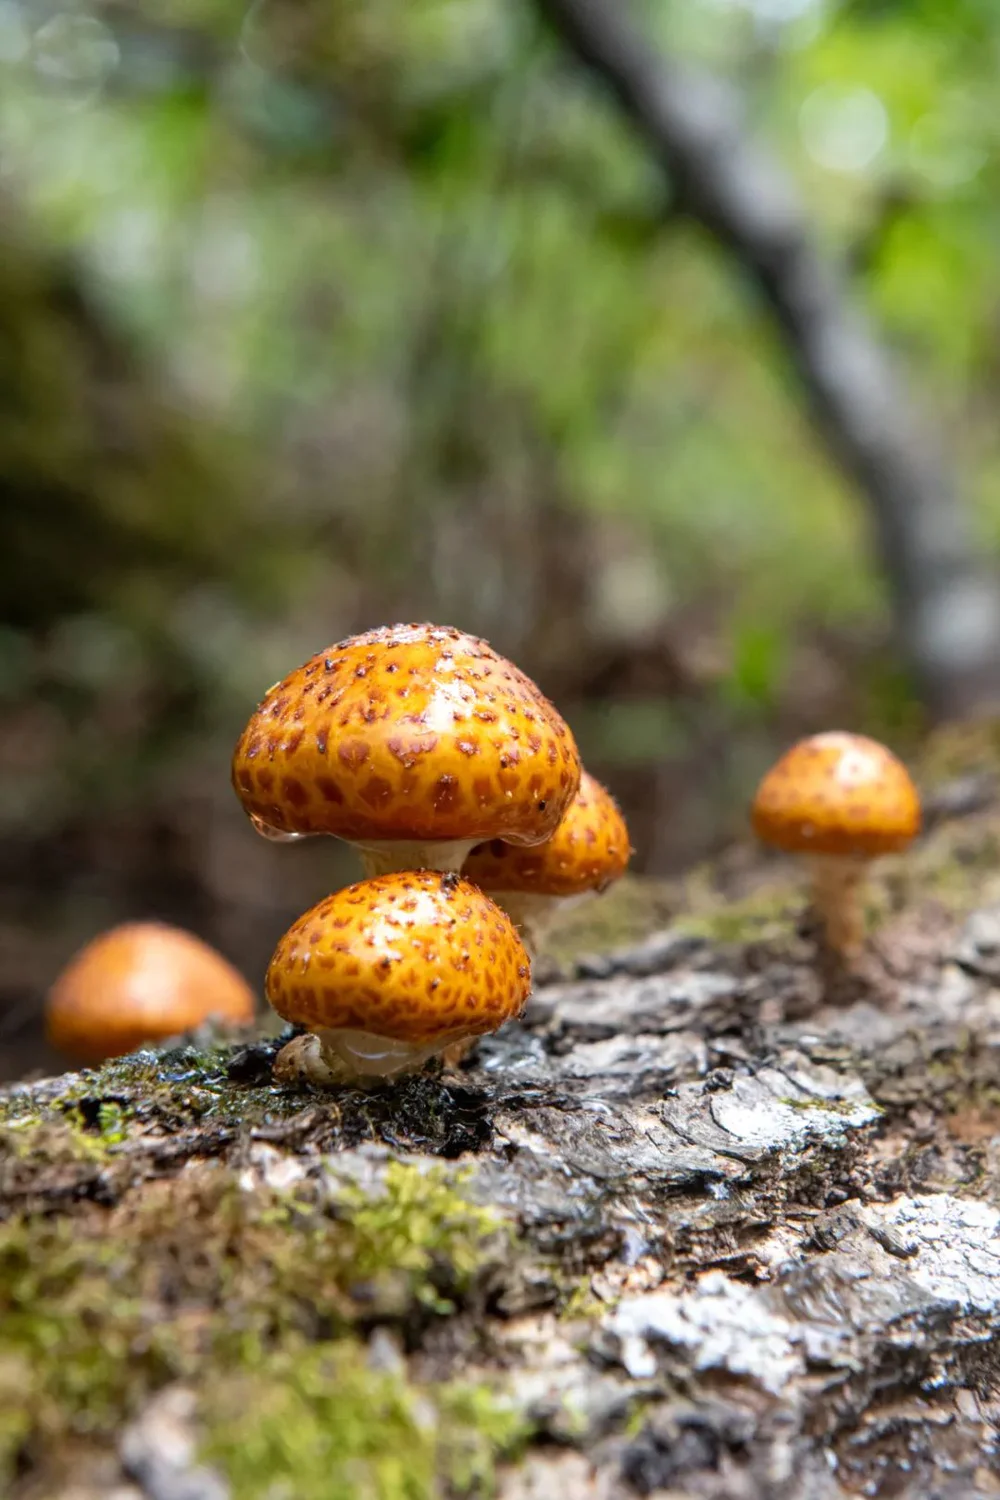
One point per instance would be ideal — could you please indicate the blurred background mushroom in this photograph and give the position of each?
(141, 982)
(838, 801)
(576, 325)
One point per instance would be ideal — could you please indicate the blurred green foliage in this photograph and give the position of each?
(409, 322)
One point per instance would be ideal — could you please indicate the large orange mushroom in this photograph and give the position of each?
(392, 971)
(413, 742)
(589, 851)
(841, 800)
(141, 982)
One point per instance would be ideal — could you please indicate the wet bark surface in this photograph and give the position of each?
(757, 1234)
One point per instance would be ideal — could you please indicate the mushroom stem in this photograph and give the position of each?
(456, 1052)
(392, 856)
(330, 1057)
(836, 895)
(534, 915)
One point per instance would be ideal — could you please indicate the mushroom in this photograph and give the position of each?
(413, 742)
(588, 852)
(841, 800)
(140, 982)
(391, 971)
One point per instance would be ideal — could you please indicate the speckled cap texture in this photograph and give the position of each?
(410, 732)
(838, 794)
(415, 956)
(588, 851)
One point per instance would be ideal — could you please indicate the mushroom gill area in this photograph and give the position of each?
(334, 1055)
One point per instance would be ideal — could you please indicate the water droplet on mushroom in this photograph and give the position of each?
(276, 835)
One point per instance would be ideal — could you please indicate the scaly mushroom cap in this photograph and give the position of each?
(411, 732)
(417, 957)
(588, 851)
(139, 983)
(837, 794)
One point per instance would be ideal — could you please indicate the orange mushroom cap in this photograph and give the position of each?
(588, 851)
(138, 983)
(416, 956)
(837, 794)
(410, 732)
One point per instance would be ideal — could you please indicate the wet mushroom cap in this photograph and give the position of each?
(415, 956)
(410, 732)
(139, 983)
(837, 794)
(588, 851)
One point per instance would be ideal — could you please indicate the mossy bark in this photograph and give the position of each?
(711, 1221)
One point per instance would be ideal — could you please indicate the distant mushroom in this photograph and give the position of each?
(841, 800)
(141, 982)
(588, 852)
(391, 971)
(413, 742)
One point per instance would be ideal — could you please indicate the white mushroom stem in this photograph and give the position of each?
(836, 895)
(327, 1058)
(534, 915)
(456, 1052)
(386, 858)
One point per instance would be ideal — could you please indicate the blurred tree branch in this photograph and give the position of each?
(947, 607)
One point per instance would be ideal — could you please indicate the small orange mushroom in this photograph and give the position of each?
(391, 971)
(141, 982)
(588, 852)
(413, 742)
(841, 800)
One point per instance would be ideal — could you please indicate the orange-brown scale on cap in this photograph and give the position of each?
(588, 852)
(415, 960)
(838, 794)
(140, 983)
(412, 734)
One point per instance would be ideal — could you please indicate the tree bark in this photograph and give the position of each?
(757, 1250)
(947, 606)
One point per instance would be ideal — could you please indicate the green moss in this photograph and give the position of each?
(625, 914)
(763, 916)
(54, 1141)
(418, 1227)
(580, 1301)
(186, 1085)
(957, 868)
(957, 750)
(199, 1276)
(18, 1106)
(962, 1079)
(844, 1107)
(321, 1424)
(78, 1346)
(954, 869)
